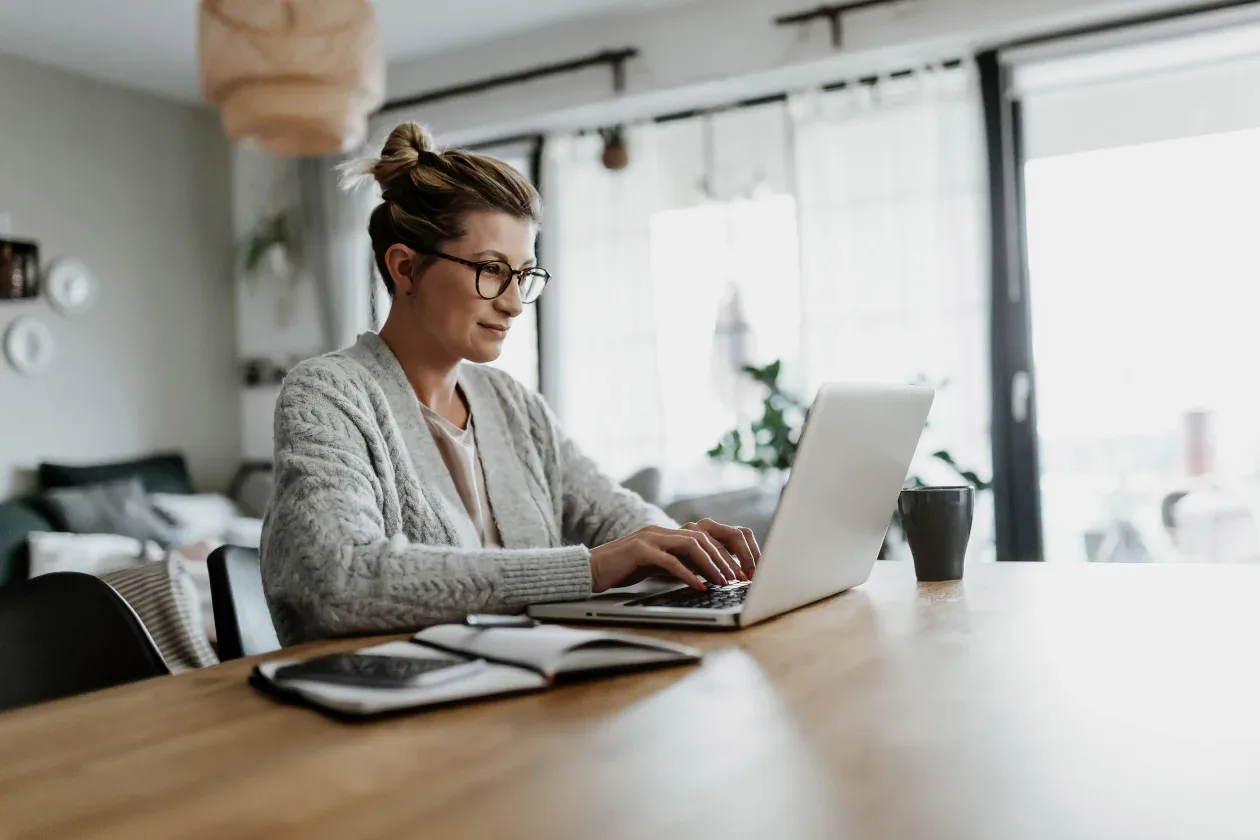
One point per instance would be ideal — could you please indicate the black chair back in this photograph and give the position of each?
(242, 621)
(68, 633)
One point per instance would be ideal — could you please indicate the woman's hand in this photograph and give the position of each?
(703, 549)
(737, 541)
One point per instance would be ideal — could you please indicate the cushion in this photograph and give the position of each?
(166, 603)
(244, 531)
(750, 508)
(197, 516)
(116, 507)
(93, 554)
(17, 520)
(166, 473)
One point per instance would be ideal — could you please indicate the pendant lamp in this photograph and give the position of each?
(297, 78)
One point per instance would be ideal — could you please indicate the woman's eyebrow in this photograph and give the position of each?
(499, 255)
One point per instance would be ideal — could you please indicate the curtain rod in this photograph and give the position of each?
(614, 59)
(770, 99)
(834, 15)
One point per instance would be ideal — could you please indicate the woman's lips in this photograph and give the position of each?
(500, 329)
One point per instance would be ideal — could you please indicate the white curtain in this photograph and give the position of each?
(843, 233)
(892, 200)
(598, 315)
(669, 273)
(337, 251)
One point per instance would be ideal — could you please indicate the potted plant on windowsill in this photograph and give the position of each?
(768, 445)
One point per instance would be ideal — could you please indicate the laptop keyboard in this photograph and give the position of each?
(714, 598)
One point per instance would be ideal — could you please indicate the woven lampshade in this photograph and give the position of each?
(296, 77)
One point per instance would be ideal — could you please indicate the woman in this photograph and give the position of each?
(412, 488)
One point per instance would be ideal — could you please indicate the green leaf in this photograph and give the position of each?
(975, 480)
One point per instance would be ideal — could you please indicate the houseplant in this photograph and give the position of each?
(768, 444)
(272, 247)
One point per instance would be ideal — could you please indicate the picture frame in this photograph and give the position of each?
(19, 269)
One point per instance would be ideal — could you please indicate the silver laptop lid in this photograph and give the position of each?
(854, 454)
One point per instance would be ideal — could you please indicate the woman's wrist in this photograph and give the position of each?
(597, 572)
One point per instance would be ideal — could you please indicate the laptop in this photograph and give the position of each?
(854, 455)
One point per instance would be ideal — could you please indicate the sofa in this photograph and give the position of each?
(166, 583)
(160, 473)
(751, 507)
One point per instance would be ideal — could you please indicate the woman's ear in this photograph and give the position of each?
(402, 263)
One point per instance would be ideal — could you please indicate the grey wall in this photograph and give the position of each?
(139, 189)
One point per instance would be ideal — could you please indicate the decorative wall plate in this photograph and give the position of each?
(72, 288)
(29, 345)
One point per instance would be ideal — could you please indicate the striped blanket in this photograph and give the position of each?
(164, 597)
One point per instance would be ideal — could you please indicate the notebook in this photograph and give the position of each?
(517, 660)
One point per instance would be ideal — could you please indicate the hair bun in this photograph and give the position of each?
(408, 140)
(408, 145)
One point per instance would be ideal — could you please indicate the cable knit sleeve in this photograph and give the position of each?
(595, 509)
(328, 567)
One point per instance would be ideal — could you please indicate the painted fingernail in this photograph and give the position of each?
(703, 588)
(743, 576)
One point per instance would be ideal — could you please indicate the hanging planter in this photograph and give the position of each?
(616, 155)
(297, 78)
(272, 247)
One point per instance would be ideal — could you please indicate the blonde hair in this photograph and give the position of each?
(427, 193)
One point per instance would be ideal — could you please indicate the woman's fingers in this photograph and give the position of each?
(752, 543)
(684, 546)
(735, 540)
(721, 556)
(671, 564)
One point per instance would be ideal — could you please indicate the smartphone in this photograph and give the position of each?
(370, 670)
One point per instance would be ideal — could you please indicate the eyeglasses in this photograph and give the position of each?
(494, 277)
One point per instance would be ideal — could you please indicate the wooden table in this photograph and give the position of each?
(1028, 701)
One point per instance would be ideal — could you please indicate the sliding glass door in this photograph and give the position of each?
(1143, 267)
(1140, 202)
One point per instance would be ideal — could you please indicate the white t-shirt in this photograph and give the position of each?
(459, 451)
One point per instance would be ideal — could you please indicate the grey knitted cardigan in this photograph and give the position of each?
(359, 538)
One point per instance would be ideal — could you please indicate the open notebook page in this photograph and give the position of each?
(551, 649)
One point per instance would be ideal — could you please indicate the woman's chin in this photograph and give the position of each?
(482, 352)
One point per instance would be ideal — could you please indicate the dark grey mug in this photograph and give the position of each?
(937, 525)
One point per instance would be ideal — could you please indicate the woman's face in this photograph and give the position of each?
(442, 302)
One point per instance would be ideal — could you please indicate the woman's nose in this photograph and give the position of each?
(510, 301)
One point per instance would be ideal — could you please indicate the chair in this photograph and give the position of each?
(242, 621)
(68, 633)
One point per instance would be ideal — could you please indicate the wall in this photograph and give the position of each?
(138, 188)
(708, 52)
